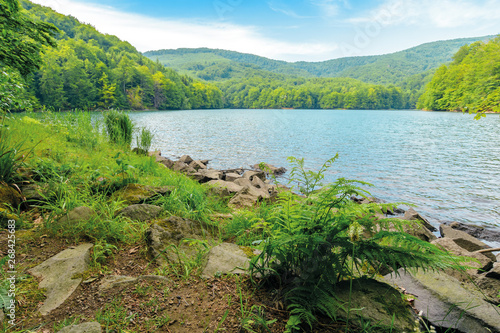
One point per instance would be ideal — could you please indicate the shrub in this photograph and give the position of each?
(119, 127)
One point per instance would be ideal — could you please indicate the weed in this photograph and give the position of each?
(119, 127)
(144, 140)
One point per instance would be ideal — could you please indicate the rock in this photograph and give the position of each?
(490, 287)
(447, 302)
(140, 212)
(411, 214)
(250, 174)
(137, 193)
(59, 275)
(418, 230)
(166, 162)
(224, 188)
(247, 197)
(476, 231)
(465, 240)
(232, 176)
(244, 182)
(155, 153)
(197, 176)
(9, 197)
(376, 302)
(209, 174)
(89, 327)
(34, 192)
(197, 165)
(77, 215)
(185, 159)
(269, 168)
(494, 273)
(225, 258)
(180, 166)
(117, 281)
(448, 244)
(258, 183)
(162, 235)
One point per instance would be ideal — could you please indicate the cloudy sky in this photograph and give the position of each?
(293, 30)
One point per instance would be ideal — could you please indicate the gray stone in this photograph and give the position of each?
(484, 263)
(90, 327)
(269, 168)
(180, 166)
(411, 214)
(447, 302)
(140, 212)
(258, 183)
(490, 287)
(232, 176)
(250, 174)
(171, 231)
(465, 240)
(78, 214)
(244, 182)
(226, 258)
(376, 302)
(418, 230)
(166, 162)
(197, 165)
(248, 197)
(209, 174)
(224, 188)
(494, 273)
(185, 159)
(477, 231)
(59, 275)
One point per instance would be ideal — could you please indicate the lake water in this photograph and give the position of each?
(447, 164)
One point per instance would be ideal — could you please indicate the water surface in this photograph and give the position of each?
(446, 163)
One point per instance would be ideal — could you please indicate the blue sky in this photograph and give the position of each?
(296, 30)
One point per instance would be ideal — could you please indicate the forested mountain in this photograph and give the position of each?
(91, 70)
(394, 68)
(470, 83)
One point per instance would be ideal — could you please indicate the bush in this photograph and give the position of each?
(119, 127)
(144, 140)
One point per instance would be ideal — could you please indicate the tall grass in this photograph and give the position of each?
(119, 127)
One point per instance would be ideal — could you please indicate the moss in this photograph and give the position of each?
(248, 251)
(28, 296)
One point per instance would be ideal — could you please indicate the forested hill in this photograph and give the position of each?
(470, 83)
(90, 70)
(394, 68)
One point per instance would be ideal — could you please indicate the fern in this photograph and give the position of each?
(313, 242)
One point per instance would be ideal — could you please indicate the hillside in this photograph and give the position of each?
(470, 83)
(394, 68)
(90, 70)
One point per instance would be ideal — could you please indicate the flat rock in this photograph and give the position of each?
(224, 188)
(197, 165)
(209, 174)
(376, 302)
(226, 258)
(59, 275)
(447, 303)
(140, 212)
(232, 176)
(465, 240)
(485, 263)
(90, 327)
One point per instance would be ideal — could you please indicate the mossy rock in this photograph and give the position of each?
(375, 302)
(9, 197)
(137, 193)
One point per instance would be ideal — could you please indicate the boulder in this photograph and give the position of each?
(197, 165)
(258, 183)
(225, 258)
(166, 162)
(465, 240)
(224, 188)
(89, 327)
(137, 193)
(232, 176)
(140, 212)
(247, 197)
(244, 182)
(185, 159)
(78, 214)
(271, 169)
(375, 302)
(60, 275)
(171, 231)
(448, 303)
(484, 263)
(490, 287)
(181, 166)
(477, 231)
(209, 174)
(9, 197)
(411, 214)
(250, 174)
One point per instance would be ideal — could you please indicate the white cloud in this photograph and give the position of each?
(147, 33)
(329, 8)
(436, 13)
(284, 9)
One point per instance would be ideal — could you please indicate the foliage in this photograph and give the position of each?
(145, 140)
(310, 244)
(308, 180)
(11, 155)
(22, 38)
(471, 83)
(119, 127)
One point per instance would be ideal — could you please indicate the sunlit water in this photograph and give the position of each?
(447, 164)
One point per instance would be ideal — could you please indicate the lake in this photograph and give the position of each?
(448, 164)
